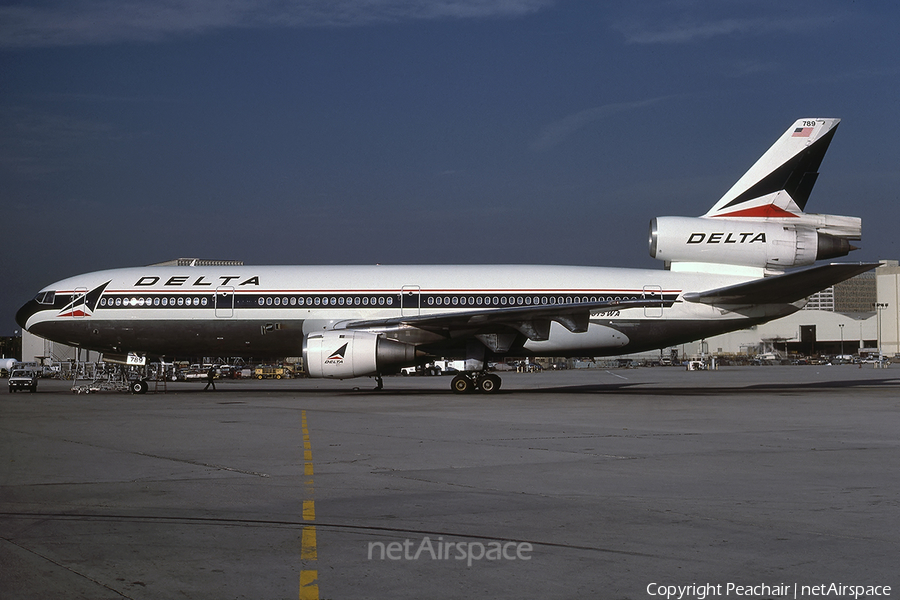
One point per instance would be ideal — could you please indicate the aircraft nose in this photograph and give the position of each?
(24, 313)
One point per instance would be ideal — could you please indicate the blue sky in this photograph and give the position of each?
(419, 131)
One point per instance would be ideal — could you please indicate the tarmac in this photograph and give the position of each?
(762, 482)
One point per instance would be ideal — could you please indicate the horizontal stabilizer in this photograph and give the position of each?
(781, 289)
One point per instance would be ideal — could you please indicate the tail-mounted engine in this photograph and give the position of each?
(768, 244)
(342, 354)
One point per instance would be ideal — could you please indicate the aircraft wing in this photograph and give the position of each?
(781, 289)
(532, 321)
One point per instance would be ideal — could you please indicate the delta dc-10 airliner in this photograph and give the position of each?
(750, 259)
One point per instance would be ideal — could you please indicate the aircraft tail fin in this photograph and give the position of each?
(759, 224)
(778, 185)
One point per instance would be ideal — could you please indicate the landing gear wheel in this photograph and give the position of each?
(462, 384)
(139, 387)
(489, 384)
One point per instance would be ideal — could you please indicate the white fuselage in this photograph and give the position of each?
(268, 310)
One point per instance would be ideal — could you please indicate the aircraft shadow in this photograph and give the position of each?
(642, 389)
(630, 388)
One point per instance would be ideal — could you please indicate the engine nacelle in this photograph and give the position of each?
(343, 354)
(744, 242)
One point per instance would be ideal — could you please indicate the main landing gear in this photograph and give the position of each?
(465, 383)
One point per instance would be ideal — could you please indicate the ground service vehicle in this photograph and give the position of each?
(20, 379)
(271, 372)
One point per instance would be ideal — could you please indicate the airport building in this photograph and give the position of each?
(852, 296)
(887, 306)
(856, 295)
(806, 332)
(823, 300)
(44, 352)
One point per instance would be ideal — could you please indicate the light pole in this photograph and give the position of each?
(841, 325)
(880, 306)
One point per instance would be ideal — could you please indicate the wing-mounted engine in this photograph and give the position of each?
(759, 223)
(343, 354)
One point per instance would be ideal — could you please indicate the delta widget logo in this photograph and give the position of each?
(337, 357)
(83, 304)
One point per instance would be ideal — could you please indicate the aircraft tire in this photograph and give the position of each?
(461, 384)
(489, 384)
(139, 387)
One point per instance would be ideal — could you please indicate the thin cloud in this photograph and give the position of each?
(557, 132)
(687, 30)
(96, 22)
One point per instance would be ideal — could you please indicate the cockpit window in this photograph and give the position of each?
(45, 297)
